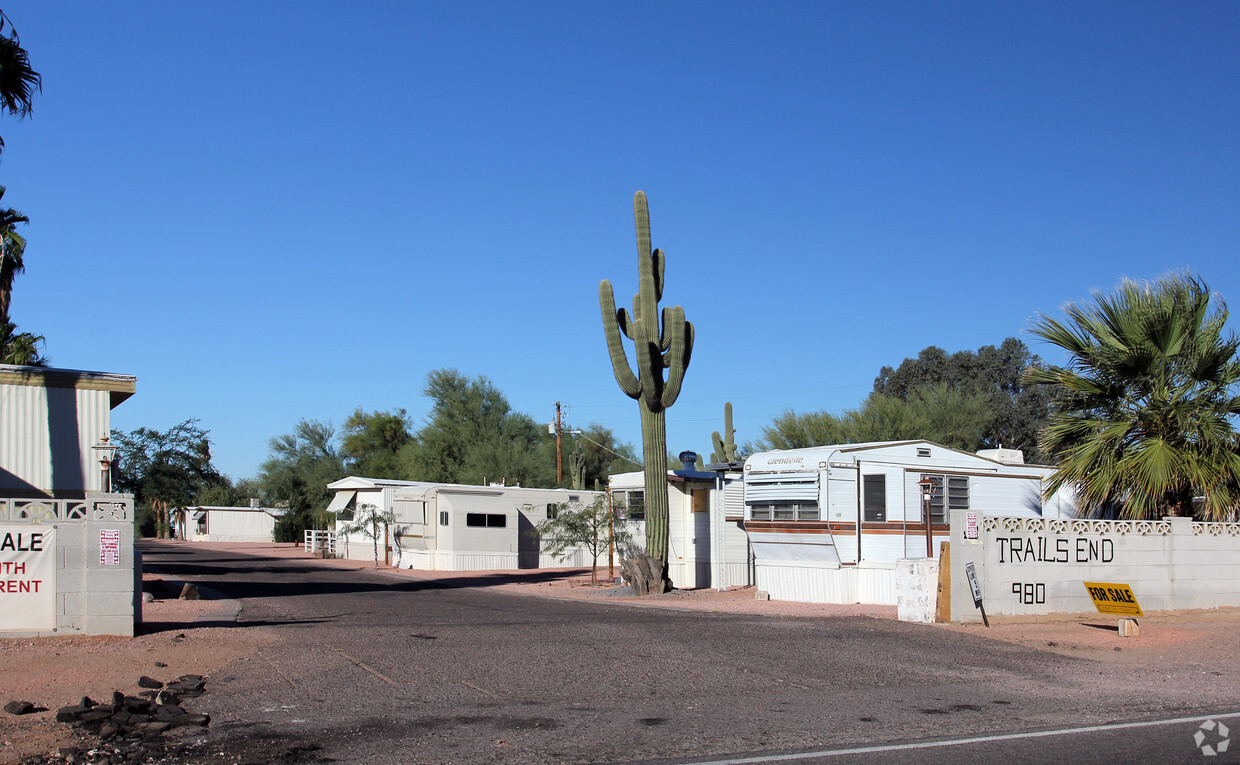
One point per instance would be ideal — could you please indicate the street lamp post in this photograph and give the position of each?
(106, 452)
(927, 492)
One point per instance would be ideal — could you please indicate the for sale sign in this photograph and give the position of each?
(27, 578)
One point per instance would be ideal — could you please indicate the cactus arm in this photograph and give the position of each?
(629, 383)
(660, 262)
(648, 367)
(641, 217)
(669, 320)
(717, 455)
(625, 323)
(679, 353)
(673, 317)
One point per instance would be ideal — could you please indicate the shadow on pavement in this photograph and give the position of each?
(243, 576)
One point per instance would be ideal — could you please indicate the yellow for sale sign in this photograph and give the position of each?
(1112, 598)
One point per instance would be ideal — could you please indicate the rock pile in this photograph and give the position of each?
(131, 728)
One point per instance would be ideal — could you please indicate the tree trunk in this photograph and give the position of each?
(647, 575)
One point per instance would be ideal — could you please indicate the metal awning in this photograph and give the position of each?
(199, 515)
(341, 501)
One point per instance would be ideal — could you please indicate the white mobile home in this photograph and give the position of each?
(213, 523)
(828, 523)
(705, 525)
(452, 527)
(353, 492)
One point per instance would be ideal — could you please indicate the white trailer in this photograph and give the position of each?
(828, 523)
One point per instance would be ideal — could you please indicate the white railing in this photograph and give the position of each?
(318, 541)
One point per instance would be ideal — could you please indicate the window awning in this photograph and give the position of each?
(199, 515)
(341, 501)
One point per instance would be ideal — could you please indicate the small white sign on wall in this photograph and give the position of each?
(970, 526)
(27, 578)
(109, 547)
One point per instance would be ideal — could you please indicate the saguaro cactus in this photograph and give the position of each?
(725, 446)
(657, 347)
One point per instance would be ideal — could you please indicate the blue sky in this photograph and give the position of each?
(274, 211)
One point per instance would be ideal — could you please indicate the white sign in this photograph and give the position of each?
(970, 525)
(109, 547)
(970, 572)
(27, 578)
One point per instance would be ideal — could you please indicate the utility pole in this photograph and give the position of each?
(559, 458)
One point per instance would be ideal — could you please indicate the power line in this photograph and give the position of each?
(736, 398)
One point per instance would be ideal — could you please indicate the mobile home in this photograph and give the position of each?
(454, 527)
(828, 523)
(706, 536)
(212, 523)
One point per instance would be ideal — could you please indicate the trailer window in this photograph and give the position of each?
(784, 511)
(635, 502)
(875, 489)
(486, 520)
(955, 497)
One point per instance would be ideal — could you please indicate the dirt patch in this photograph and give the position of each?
(1202, 638)
(58, 671)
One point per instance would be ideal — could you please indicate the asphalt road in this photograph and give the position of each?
(370, 667)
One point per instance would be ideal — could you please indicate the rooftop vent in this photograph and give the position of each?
(1006, 456)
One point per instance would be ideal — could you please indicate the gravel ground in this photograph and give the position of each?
(54, 672)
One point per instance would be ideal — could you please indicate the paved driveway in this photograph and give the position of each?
(371, 667)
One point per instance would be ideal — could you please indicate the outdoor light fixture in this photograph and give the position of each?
(927, 492)
(106, 452)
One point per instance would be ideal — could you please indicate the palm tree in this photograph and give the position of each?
(370, 522)
(18, 82)
(1149, 399)
(21, 348)
(12, 247)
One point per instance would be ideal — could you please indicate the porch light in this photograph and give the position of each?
(105, 452)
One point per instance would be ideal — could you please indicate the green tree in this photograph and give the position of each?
(21, 348)
(18, 82)
(164, 469)
(576, 524)
(370, 522)
(473, 434)
(1147, 401)
(1017, 410)
(12, 247)
(371, 443)
(296, 474)
(938, 413)
(226, 493)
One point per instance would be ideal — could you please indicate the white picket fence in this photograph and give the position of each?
(320, 541)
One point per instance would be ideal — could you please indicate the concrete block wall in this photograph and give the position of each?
(1028, 567)
(90, 598)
